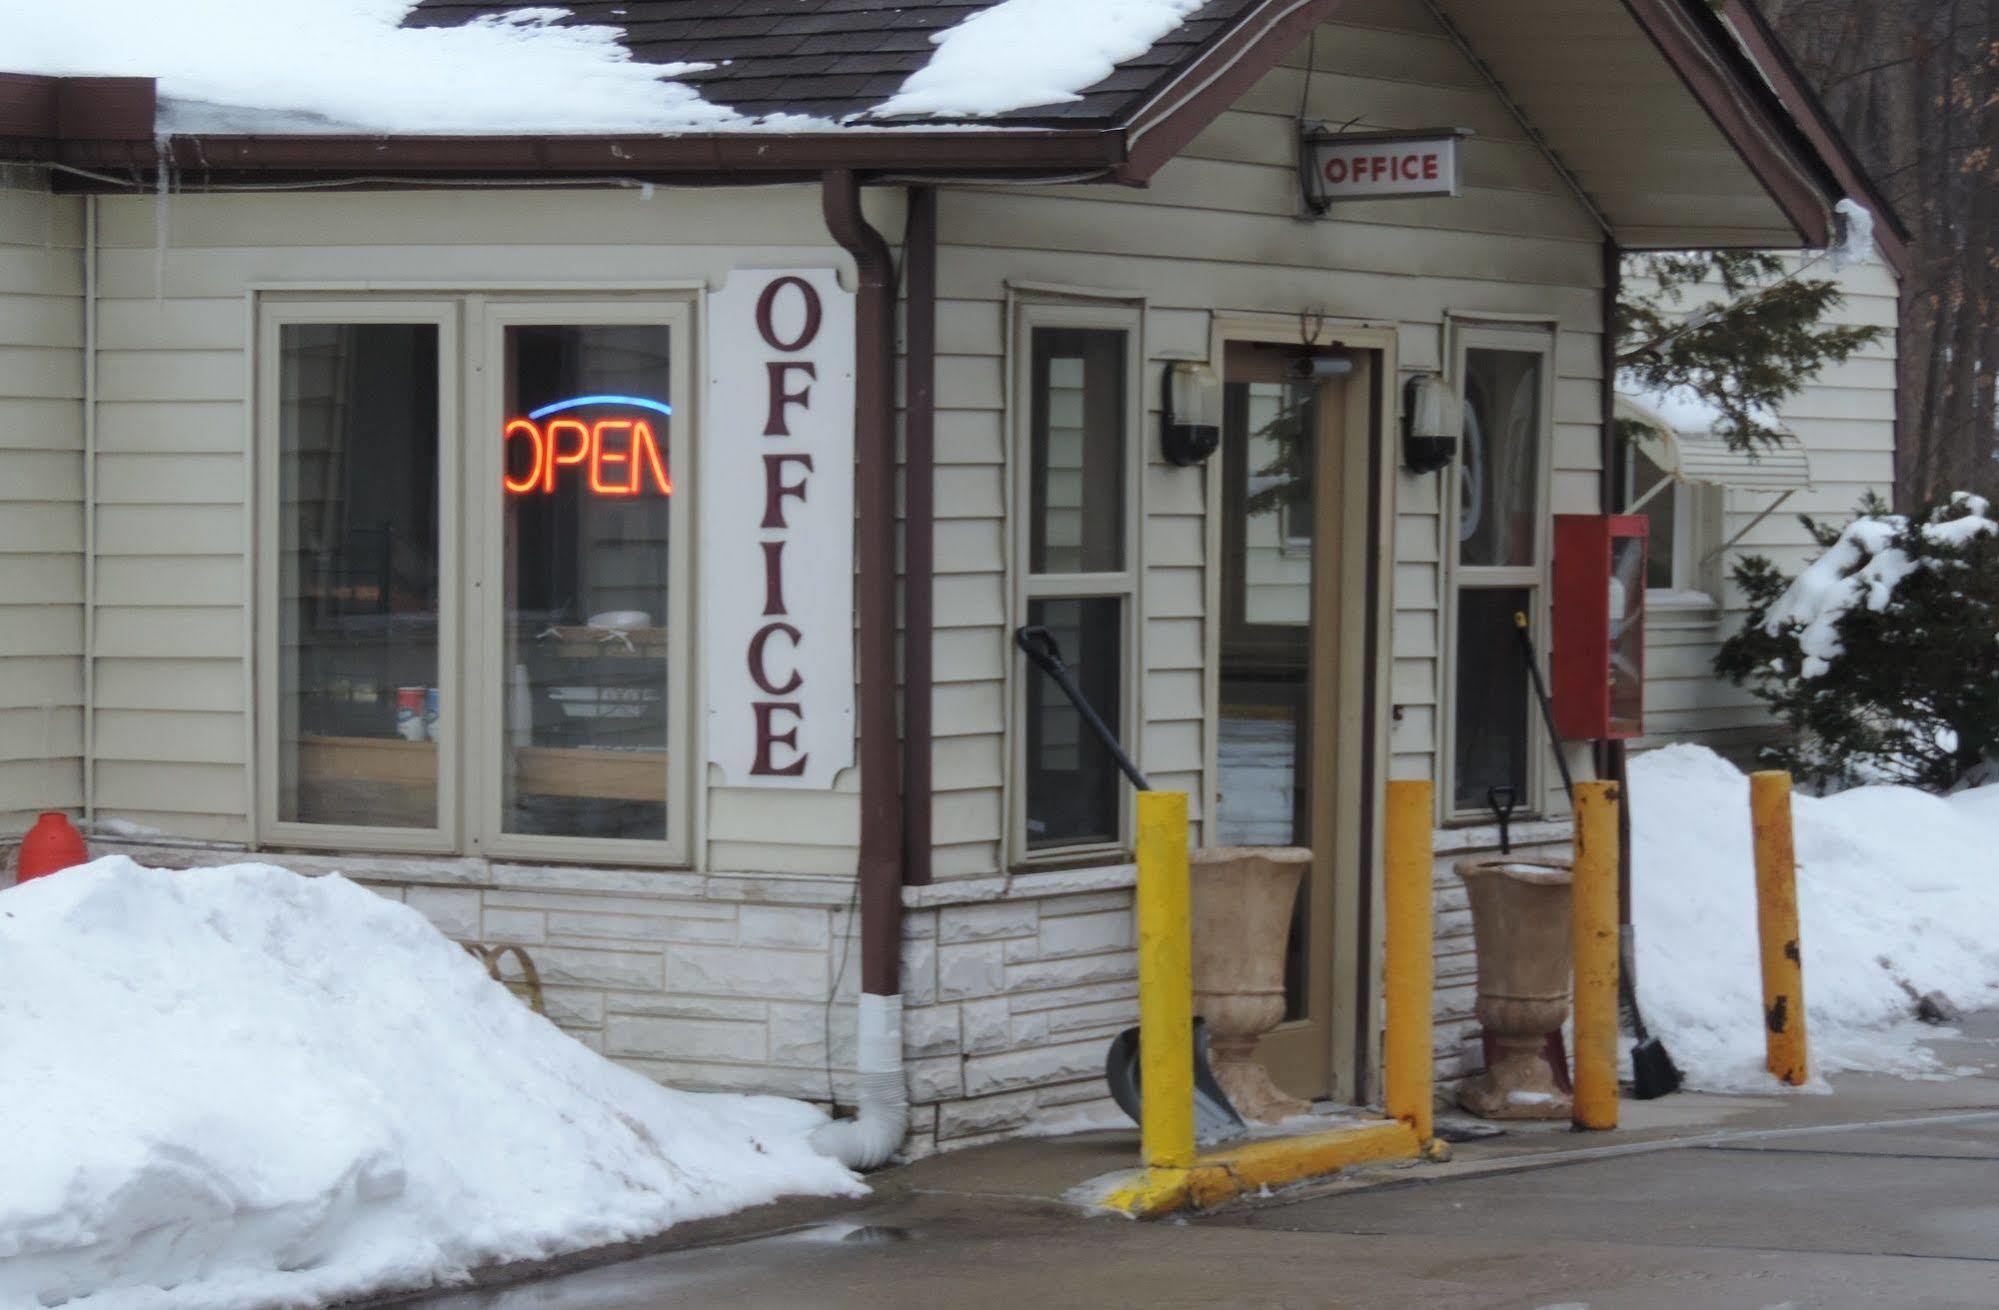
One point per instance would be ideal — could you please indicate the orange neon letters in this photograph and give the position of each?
(618, 454)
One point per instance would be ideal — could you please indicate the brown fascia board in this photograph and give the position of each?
(1891, 235)
(39, 114)
(1215, 79)
(1719, 74)
(764, 155)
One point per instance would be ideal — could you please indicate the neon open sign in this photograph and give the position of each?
(617, 453)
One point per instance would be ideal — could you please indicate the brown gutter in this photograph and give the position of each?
(767, 155)
(880, 871)
(1744, 109)
(919, 493)
(1222, 74)
(1891, 237)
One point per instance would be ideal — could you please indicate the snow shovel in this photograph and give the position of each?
(1653, 1073)
(1214, 1118)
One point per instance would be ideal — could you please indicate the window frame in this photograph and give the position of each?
(1696, 535)
(471, 575)
(1524, 338)
(273, 314)
(1027, 586)
(485, 580)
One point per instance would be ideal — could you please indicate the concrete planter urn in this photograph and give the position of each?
(1242, 898)
(1520, 917)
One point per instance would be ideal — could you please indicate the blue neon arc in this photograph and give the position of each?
(580, 401)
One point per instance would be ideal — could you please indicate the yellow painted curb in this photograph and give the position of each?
(1218, 1176)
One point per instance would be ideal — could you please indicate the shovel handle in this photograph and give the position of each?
(1041, 648)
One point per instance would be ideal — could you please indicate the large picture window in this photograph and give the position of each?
(586, 560)
(358, 577)
(1078, 402)
(562, 719)
(1497, 568)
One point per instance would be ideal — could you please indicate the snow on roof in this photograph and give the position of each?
(327, 66)
(1024, 53)
(349, 65)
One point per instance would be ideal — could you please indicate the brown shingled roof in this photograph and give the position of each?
(832, 58)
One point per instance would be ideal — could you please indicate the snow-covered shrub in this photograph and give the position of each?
(1882, 654)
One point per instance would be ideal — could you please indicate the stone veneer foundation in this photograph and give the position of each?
(1012, 986)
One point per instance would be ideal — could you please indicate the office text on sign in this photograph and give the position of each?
(777, 539)
(1337, 166)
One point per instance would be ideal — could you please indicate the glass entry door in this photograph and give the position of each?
(1280, 603)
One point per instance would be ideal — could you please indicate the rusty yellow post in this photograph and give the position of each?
(1594, 932)
(1165, 983)
(1407, 965)
(1777, 925)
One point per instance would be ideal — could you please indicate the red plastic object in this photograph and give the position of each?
(51, 846)
(1598, 664)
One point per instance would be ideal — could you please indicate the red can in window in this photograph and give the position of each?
(409, 713)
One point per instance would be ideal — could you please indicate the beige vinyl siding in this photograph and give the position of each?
(175, 526)
(41, 499)
(1846, 420)
(1218, 233)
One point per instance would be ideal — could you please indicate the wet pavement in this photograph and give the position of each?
(1883, 1194)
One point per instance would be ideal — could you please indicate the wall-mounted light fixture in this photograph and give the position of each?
(1191, 412)
(1432, 421)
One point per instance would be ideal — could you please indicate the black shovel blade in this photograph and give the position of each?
(1653, 1073)
(1215, 1119)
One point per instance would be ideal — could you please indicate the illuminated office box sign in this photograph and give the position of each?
(777, 534)
(607, 441)
(1378, 165)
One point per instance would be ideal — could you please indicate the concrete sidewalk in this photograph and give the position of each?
(1884, 1193)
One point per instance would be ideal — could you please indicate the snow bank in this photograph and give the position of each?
(257, 1089)
(1022, 53)
(1893, 884)
(348, 65)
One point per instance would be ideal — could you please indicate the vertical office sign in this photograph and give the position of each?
(777, 528)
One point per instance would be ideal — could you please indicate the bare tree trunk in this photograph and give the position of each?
(1913, 85)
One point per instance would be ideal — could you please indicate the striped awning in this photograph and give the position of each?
(1695, 454)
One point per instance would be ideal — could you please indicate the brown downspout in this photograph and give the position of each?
(919, 254)
(881, 1118)
(881, 798)
(1612, 758)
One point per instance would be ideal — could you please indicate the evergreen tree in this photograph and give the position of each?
(1883, 654)
(1744, 351)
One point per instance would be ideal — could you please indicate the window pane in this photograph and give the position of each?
(1072, 780)
(1660, 510)
(357, 519)
(587, 493)
(1501, 477)
(1076, 521)
(1490, 732)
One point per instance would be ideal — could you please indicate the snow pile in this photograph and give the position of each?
(349, 65)
(1894, 886)
(258, 1089)
(1863, 567)
(1023, 53)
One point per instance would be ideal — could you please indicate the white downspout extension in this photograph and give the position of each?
(867, 1140)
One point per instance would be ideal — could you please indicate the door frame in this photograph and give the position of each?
(1361, 713)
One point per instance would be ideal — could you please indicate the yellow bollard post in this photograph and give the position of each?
(1165, 983)
(1408, 967)
(1594, 934)
(1777, 925)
